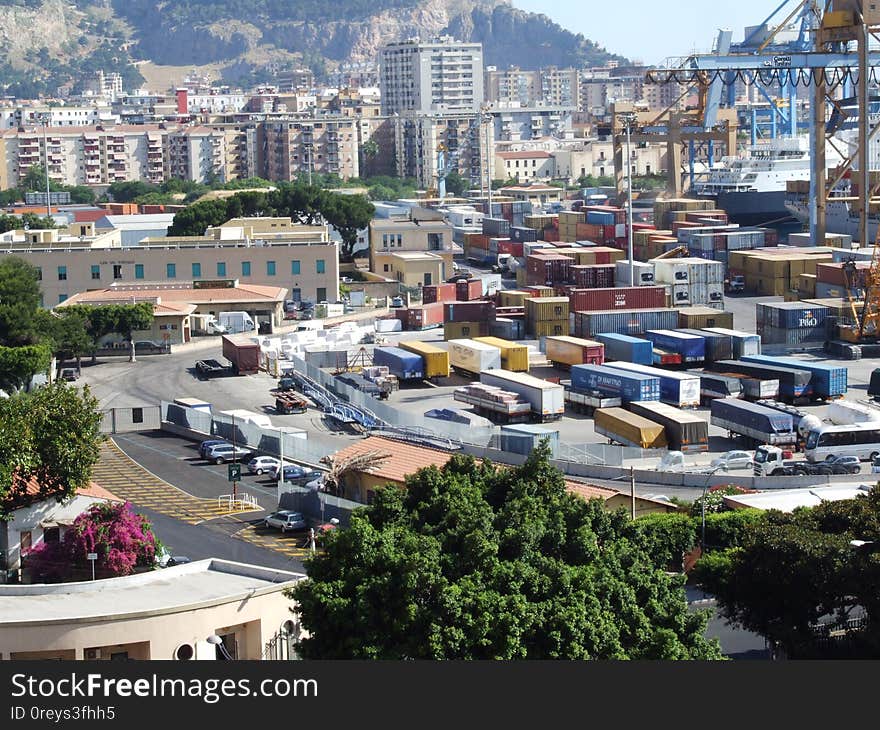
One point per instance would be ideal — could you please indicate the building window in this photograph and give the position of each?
(138, 271)
(221, 268)
(294, 268)
(62, 273)
(320, 266)
(196, 271)
(117, 271)
(245, 268)
(170, 271)
(96, 271)
(270, 268)
(322, 294)
(385, 267)
(61, 298)
(137, 415)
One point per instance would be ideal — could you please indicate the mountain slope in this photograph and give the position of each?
(54, 43)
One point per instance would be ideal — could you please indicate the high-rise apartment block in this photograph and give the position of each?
(441, 75)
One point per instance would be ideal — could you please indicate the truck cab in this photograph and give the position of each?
(772, 461)
(736, 284)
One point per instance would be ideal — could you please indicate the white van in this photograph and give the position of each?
(243, 416)
(236, 322)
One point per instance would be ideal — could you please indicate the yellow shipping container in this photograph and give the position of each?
(512, 298)
(571, 217)
(520, 276)
(540, 291)
(807, 285)
(436, 359)
(464, 330)
(514, 357)
(546, 309)
(549, 328)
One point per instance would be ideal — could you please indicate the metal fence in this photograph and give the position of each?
(131, 418)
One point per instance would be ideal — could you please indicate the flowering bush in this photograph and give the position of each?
(715, 498)
(122, 539)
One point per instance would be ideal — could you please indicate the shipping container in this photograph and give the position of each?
(508, 328)
(512, 298)
(662, 357)
(628, 429)
(627, 386)
(524, 438)
(243, 353)
(626, 348)
(703, 317)
(676, 388)
(464, 330)
(480, 310)
(794, 383)
(692, 348)
(546, 398)
(523, 234)
(550, 328)
(438, 293)
(472, 357)
(405, 365)
(598, 299)
(744, 343)
(624, 321)
(425, 317)
(757, 423)
(828, 381)
(514, 357)
(717, 346)
(466, 291)
(436, 359)
(547, 269)
(790, 315)
(565, 351)
(496, 227)
(546, 309)
(717, 385)
(685, 432)
(643, 273)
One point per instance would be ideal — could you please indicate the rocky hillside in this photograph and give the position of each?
(53, 43)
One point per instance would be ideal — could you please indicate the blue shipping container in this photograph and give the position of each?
(601, 218)
(827, 380)
(628, 386)
(692, 348)
(718, 346)
(793, 382)
(405, 365)
(790, 315)
(624, 347)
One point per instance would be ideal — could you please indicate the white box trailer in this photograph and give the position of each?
(547, 399)
(473, 357)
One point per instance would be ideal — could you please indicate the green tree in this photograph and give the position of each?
(474, 562)
(381, 192)
(18, 365)
(456, 184)
(19, 301)
(66, 330)
(51, 435)
(126, 191)
(195, 219)
(120, 319)
(348, 214)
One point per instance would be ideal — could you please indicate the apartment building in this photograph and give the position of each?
(197, 154)
(441, 75)
(461, 138)
(293, 147)
(512, 86)
(525, 165)
(424, 235)
(513, 123)
(300, 259)
(76, 115)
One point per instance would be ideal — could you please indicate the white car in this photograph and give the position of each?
(733, 460)
(261, 464)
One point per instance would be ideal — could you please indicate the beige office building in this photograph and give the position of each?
(391, 237)
(208, 609)
(267, 252)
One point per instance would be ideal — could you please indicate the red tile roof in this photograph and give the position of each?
(403, 458)
(25, 493)
(589, 491)
(241, 293)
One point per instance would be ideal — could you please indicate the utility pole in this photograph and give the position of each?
(632, 489)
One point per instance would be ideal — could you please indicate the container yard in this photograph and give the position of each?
(471, 357)
(626, 348)
(546, 399)
(685, 432)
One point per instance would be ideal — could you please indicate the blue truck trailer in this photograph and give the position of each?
(794, 383)
(627, 386)
(828, 381)
(756, 423)
(718, 346)
(626, 348)
(405, 365)
(692, 348)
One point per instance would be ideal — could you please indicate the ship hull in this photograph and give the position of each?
(753, 208)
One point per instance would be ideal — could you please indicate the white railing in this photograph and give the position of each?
(237, 502)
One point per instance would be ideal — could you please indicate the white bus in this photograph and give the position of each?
(858, 439)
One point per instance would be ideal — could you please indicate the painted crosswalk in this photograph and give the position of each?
(127, 479)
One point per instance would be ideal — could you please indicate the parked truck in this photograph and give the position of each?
(546, 398)
(628, 429)
(236, 322)
(717, 385)
(616, 383)
(287, 403)
(681, 390)
(626, 348)
(206, 324)
(755, 423)
(471, 358)
(794, 383)
(514, 356)
(692, 348)
(717, 347)
(771, 461)
(827, 381)
(589, 401)
(744, 343)
(436, 359)
(564, 351)
(685, 432)
(243, 353)
(496, 404)
(402, 363)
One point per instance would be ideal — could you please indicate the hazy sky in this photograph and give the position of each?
(651, 30)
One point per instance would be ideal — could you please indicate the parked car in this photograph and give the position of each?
(397, 301)
(207, 444)
(69, 374)
(210, 368)
(297, 474)
(227, 452)
(844, 464)
(150, 346)
(733, 460)
(261, 464)
(165, 559)
(286, 520)
(875, 466)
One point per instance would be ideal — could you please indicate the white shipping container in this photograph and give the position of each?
(643, 273)
(472, 356)
(671, 271)
(389, 325)
(845, 413)
(681, 295)
(547, 399)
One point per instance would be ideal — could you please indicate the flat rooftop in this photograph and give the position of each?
(195, 585)
(786, 500)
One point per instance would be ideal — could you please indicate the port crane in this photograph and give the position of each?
(830, 56)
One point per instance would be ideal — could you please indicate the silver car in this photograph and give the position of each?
(227, 452)
(733, 460)
(286, 520)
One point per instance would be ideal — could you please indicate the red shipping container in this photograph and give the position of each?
(510, 312)
(637, 226)
(402, 314)
(473, 311)
(589, 232)
(514, 248)
(428, 315)
(668, 358)
(469, 290)
(550, 235)
(609, 233)
(635, 297)
(547, 269)
(438, 293)
(834, 274)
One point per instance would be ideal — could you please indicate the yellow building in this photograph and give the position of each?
(419, 232)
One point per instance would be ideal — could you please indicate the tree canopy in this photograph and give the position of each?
(51, 435)
(477, 562)
(792, 571)
(19, 301)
